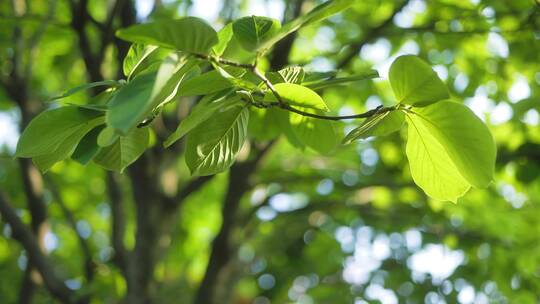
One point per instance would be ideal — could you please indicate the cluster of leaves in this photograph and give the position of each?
(448, 147)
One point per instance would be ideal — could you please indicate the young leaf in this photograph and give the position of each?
(381, 124)
(431, 167)
(320, 135)
(466, 139)
(415, 83)
(252, 31)
(126, 150)
(202, 112)
(50, 129)
(189, 34)
(297, 95)
(290, 75)
(317, 14)
(212, 147)
(107, 83)
(135, 57)
(370, 74)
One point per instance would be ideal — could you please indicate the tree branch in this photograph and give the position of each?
(25, 237)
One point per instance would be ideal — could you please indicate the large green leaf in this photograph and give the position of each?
(212, 146)
(124, 151)
(188, 34)
(431, 167)
(465, 138)
(317, 14)
(297, 95)
(415, 83)
(202, 112)
(252, 31)
(381, 124)
(134, 101)
(318, 134)
(50, 129)
(135, 58)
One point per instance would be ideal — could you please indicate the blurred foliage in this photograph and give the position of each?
(351, 228)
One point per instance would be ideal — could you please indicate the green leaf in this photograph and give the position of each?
(212, 147)
(135, 57)
(45, 161)
(290, 75)
(126, 150)
(190, 34)
(202, 112)
(252, 31)
(415, 83)
(50, 129)
(318, 134)
(381, 124)
(466, 139)
(370, 74)
(134, 101)
(107, 83)
(87, 148)
(207, 83)
(107, 137)
(431, 167)
(297, 95)
(224, 37)
(317, 14)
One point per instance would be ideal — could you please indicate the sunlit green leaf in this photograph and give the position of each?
(432, 169)
(297, 95)
(466, 139)
(415, 83)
